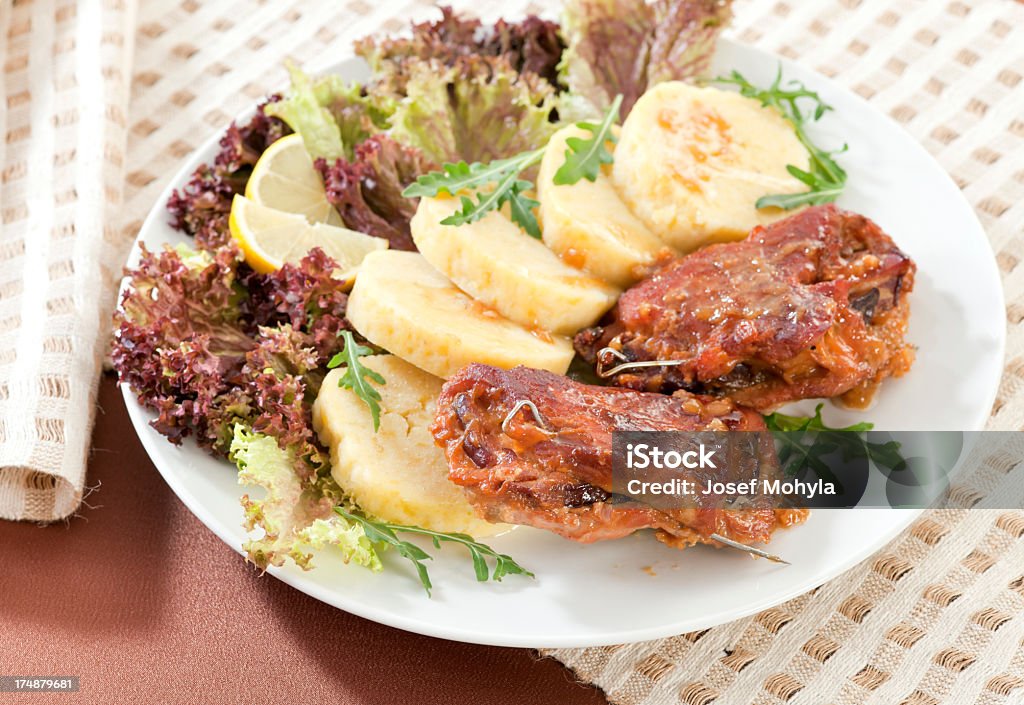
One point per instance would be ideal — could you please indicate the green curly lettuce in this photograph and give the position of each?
(345, 535)
(303, 112)
(359, 114)
(626, 46)
(331, 115)
(477, 110)
(295, 515)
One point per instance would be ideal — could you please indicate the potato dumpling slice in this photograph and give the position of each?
(691, 163)
(502, 267)
(406, 306)
(397, 473)
(588, 225)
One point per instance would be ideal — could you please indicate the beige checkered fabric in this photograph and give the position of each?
(935, 617)
(64, 84)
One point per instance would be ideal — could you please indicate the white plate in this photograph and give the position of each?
(636, 589)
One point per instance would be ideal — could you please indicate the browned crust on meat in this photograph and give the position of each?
(812, 306)
(557, 474)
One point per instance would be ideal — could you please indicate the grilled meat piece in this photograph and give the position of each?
(811, 306)
(555, 473)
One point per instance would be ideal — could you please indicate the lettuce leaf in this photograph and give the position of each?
(684, 36)
(234, 359)
(207, 343)
(332, 115)
(346, 536)
(367, 190)
(304, 296)
(477, 110)
(532, 45)
(304, 113)
(295, 516)
(179, 337)
(359, 114)
(626, 46)
(286, 520)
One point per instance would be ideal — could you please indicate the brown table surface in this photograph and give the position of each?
(146, 605)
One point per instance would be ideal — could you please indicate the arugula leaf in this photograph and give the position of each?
(497, 183)
(805, 440)
(521, 207)
(456, 177)
(782, 422)
(508, 188)
(356, 374)
(386, 534)
(584, 157)
(825, 179)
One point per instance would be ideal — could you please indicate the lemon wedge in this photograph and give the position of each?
(284, 178)
(270, 237)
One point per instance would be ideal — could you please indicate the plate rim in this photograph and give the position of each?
(293, 577)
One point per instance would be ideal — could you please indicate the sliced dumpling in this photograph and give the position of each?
(395, 473)
(404, 305)
(502, 267)
(691, 163)
(588, 225)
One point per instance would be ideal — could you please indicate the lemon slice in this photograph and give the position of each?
(270, 237)
(284, 178)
